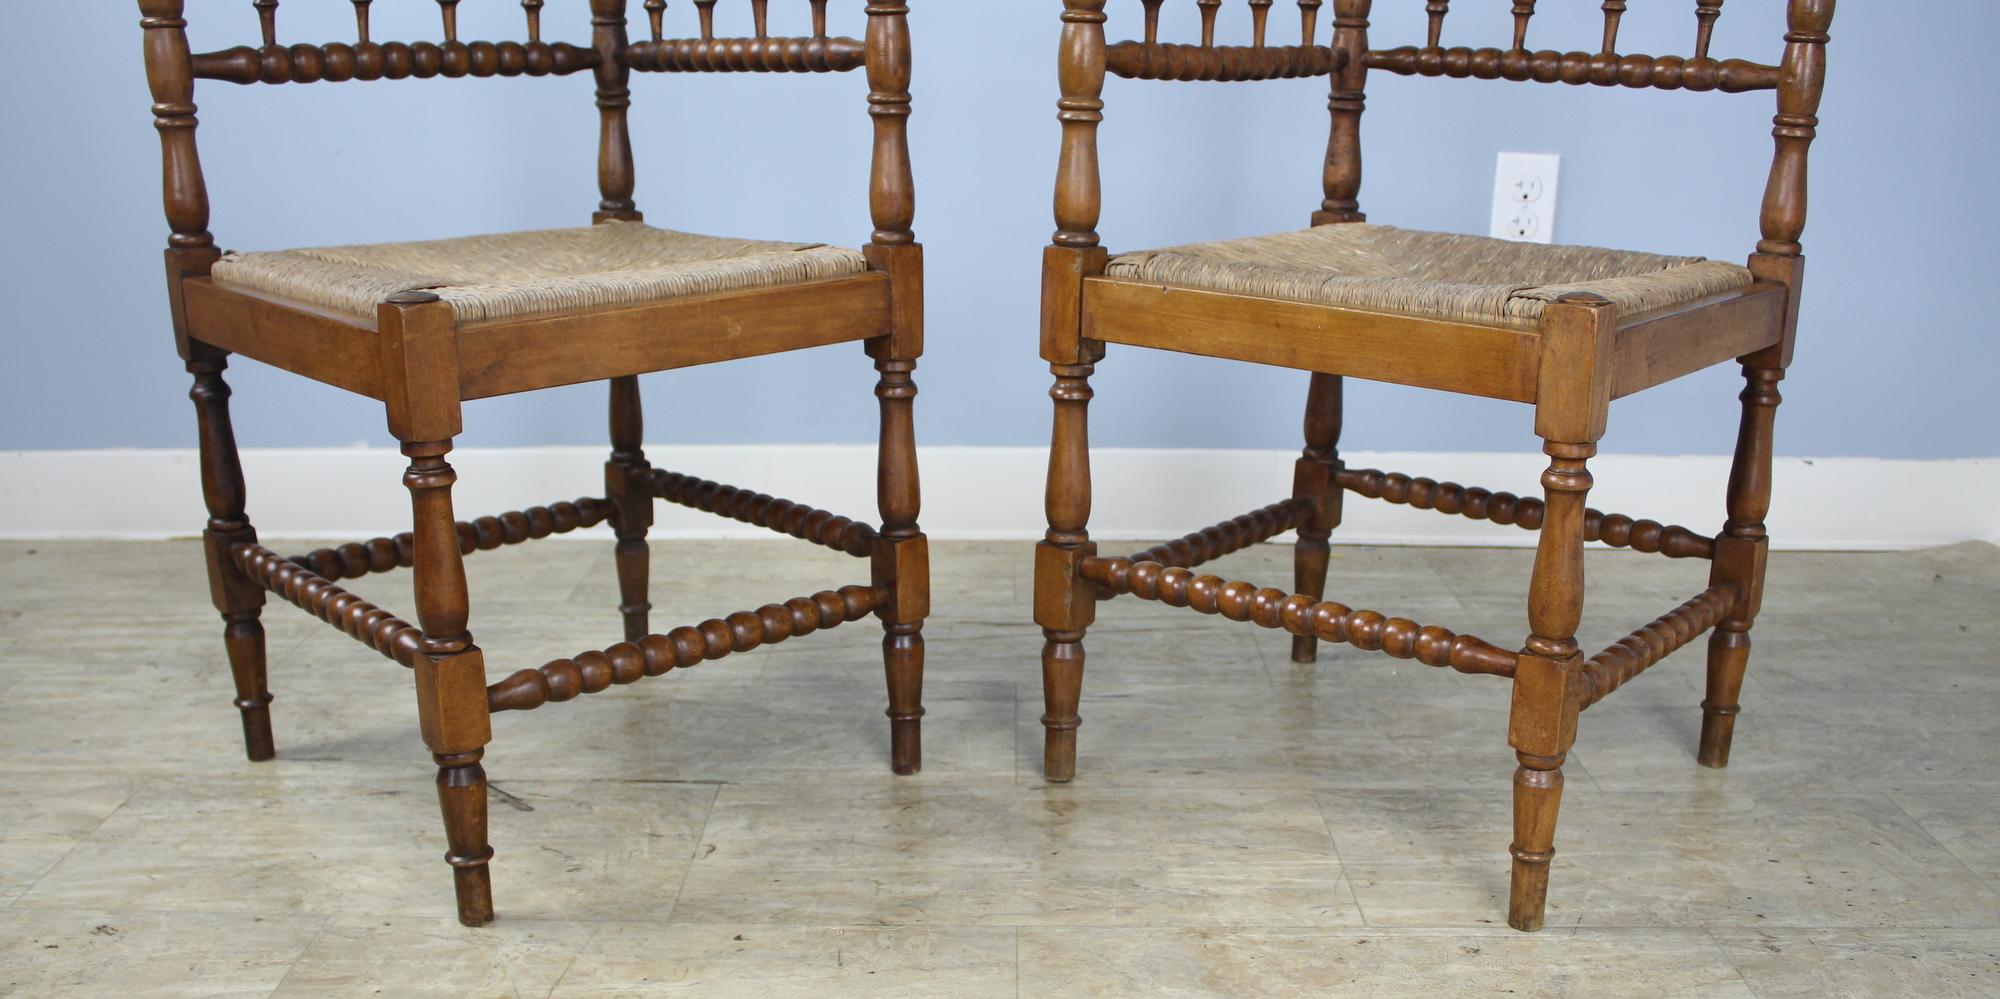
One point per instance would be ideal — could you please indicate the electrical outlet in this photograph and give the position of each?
(1524, 197)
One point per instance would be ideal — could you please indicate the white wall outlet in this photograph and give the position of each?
(1524, 197)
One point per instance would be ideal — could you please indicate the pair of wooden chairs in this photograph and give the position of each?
(425, 327)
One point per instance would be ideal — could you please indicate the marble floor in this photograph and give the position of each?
(1241, 826)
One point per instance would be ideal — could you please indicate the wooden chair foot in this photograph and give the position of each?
(1728, 654)
(1304, 650)
(1537, 798)
(903, 662)
(1062, 686)
(461, 784)
(243, 637)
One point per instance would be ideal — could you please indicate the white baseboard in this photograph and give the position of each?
(988, 492)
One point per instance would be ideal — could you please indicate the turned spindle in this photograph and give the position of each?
(1341, 178)
(533, 9)
(1064, 601)
(760, 16)
(628, 483)
(1308, 21)
(707, 10)
(1435, 10)
(1209, 8)
(1523, 10)
(1547, 692)
(449, 9)
(361, 21)
(615, 173)
(1740, 553)
(1316, 481)
(1152, 20)
(1260, 16)
(1802, 78)
(656, 13)
(1705, 13)
(1079, 188)
(1614, 10)
(267, 19)
(901, 562)
(892, 200)
(819, 18)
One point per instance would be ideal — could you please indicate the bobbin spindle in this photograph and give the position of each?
(656, 13)
(1705, 13)
(1435, 10)
(361, 21)
(449, 10)
(707, 10)
(819, 18)
(1614, 10)
(267, 19)
(1152, 20)
(1523, 10)
(760, 14)
(1308, 20)
(533, 9)
(1209, 8)
(1260, 16)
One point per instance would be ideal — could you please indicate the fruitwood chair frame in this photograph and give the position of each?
(422, 362)
(1582, 355)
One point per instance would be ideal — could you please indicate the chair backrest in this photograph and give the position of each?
(1797, 78)
(172, 69)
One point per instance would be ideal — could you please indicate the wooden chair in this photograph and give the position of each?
(426, 326)
(1564, 329)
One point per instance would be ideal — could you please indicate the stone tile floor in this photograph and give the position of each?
(1242, 826)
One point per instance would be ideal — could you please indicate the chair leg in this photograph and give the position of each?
(451, 678)
(901, 563)
(627, 483)
(1065, 603)
(239, 599)
(1739, 559)
(1546, 693)
(1313, 480)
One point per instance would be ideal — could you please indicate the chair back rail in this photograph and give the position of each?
(762, 53)
(172, 69)
(1152, 59)
(1797, 78)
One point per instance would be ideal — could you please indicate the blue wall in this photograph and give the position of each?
(1896, 350)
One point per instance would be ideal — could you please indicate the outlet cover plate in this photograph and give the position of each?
(1524, 197)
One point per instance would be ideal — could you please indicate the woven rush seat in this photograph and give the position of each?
(1439, 275)
(539, 271)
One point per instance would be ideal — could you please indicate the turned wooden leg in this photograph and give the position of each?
(1547, 688)
(1062, 686)
(1740, 552)
(461, 785)
(238, 598)
(1538, 786)
(451, 678)
(901, 563)
(627, 483)
(903, 663)
(1313, 480)
(1065, 603)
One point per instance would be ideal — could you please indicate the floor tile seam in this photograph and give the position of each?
(1319, 804)
(76, 843)
(318, 931)
(1982, 879)
(700, 838)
